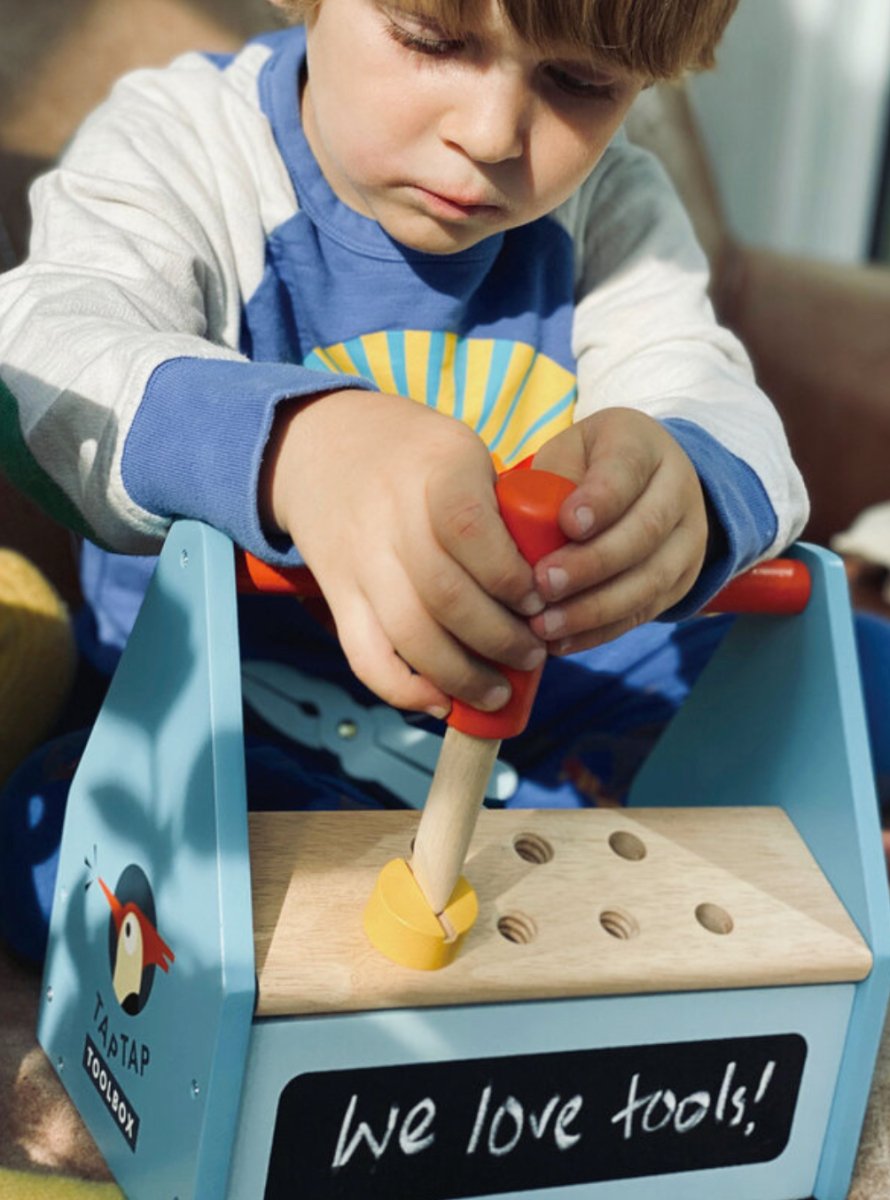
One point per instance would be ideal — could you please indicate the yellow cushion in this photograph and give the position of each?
(37, 657)
(17, 1185)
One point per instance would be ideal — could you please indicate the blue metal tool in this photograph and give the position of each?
(374, 743)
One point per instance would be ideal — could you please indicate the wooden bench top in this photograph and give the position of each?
(572, 903)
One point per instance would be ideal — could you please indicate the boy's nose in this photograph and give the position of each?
(489, 121)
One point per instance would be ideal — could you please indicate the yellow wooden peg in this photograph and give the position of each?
(401, 924)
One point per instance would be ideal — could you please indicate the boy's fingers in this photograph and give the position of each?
(428, 648)
(480, 623)
(565, 454)
(627, 542)
(374, 661)
(613, 456)
(467, 526)
(615, 480)
(638, 594)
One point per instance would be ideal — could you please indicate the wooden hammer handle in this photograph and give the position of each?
(450, 813)
(529, 502)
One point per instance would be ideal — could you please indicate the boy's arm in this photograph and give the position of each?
(646, 338)
(124, 399)
(125, 402)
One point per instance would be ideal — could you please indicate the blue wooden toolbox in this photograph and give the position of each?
(682, 999)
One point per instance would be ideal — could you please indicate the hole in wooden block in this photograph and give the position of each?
(628, 845)
(714, 918)
(533, 848)
(619, 924)
(517, 927)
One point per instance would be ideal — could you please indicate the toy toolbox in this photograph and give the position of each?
(680, 999)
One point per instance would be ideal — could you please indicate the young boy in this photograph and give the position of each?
(317, 295)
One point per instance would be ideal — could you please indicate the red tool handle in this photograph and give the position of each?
(529, 502)
(780, 587)
(254, 575)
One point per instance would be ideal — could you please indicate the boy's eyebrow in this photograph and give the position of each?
(464, 20)
(462, 24)
(645, 39)
(452, 21)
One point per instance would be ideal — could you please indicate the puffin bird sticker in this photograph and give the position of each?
(135, 947)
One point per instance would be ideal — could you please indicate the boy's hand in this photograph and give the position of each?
(637, 525)
(392, 507)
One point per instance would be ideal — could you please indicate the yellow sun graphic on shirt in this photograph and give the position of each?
(515, 398)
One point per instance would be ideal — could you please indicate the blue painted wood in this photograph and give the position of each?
(161, 788)
(777, 718)
(282, 1049)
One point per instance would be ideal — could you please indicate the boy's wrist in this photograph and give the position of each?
(276, 469)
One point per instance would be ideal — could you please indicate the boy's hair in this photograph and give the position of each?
(660, 39)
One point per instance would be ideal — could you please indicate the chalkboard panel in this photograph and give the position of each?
(484, 1126)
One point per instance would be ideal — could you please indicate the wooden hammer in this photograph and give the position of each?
(529, 503)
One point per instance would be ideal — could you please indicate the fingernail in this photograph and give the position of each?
(558, 579)
(439, 713)
(532, 605)
(495, 698)
(554, 620)
(534, 658)
(584, 517)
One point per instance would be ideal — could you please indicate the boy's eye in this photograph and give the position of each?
(419, 34)
(582, 81)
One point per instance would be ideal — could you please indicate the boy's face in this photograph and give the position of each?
(446, 141)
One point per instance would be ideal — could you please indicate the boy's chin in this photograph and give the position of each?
(406, 218)
(429, 236)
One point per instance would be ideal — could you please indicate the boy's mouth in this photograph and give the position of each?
(457, 208)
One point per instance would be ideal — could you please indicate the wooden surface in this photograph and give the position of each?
(627, 900)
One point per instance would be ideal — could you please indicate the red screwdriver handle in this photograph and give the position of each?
(529, 502)
(780, 587)
(254, 575)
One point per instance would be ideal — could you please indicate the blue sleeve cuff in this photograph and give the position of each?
(747, 523)
(196, 445)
